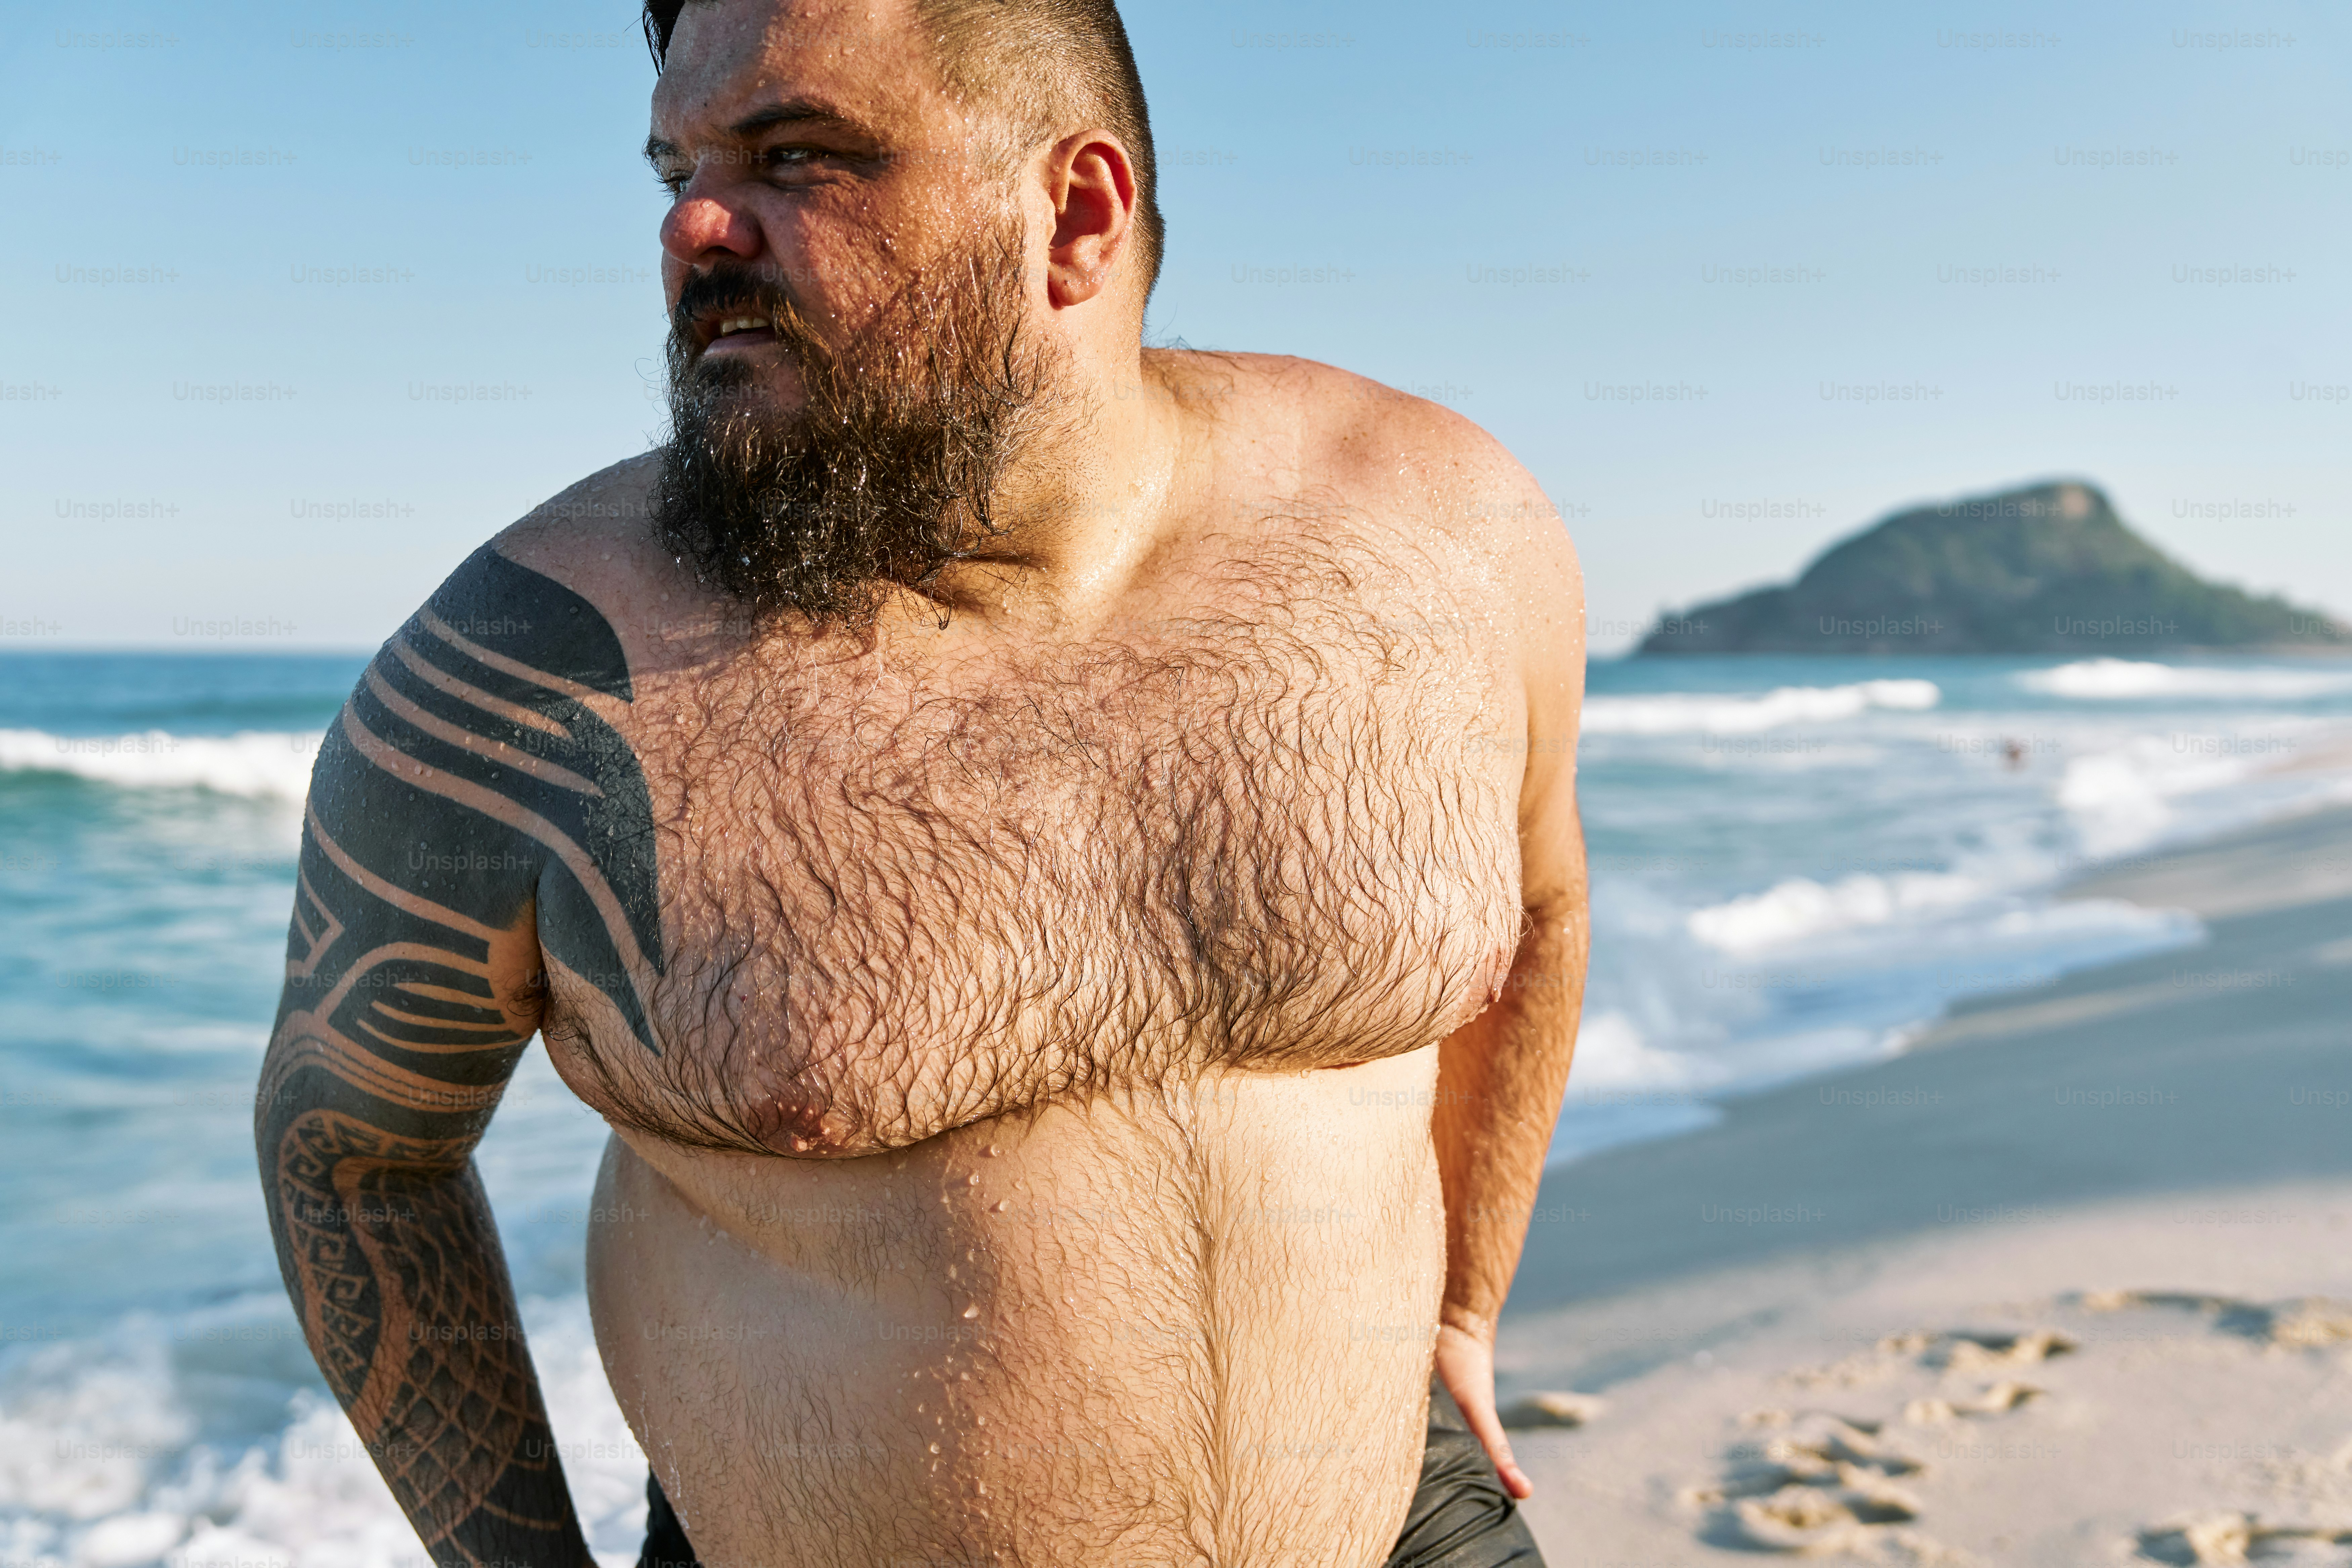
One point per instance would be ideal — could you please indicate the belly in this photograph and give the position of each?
(1189, 1327)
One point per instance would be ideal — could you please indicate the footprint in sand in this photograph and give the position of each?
(1824, 1485)
(2234, 1538)
(2311, 1322)
(1959, 1354)
(1830, 1484)
(1539, 1411)
(1999, 1400)
(2229, 1538)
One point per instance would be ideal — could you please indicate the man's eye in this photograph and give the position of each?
(787, 157)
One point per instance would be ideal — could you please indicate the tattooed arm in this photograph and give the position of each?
(468, 819)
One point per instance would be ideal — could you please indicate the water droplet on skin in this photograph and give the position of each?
(993, 1151)
(973, 1180)
(935, 1448)
(999, 1207)
(972, 1310)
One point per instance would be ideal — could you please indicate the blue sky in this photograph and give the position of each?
(254, 252)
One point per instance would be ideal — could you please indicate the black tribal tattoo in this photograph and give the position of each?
(467, 804)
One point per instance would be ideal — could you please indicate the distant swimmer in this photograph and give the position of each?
(2013, 752)
(1058, 859)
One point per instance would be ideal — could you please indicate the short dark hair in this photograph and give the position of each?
(1051, 61)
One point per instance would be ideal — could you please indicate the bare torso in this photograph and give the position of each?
(1180, 1328)
(1250, 838)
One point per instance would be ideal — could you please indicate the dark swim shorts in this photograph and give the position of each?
(1461, 1515)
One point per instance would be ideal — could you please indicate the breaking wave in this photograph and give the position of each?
(1709, 715)
(2124, 680)
(256, 763)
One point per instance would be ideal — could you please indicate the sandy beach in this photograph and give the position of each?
(2068, 1282)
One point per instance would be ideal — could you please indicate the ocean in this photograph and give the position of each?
(1796, 864)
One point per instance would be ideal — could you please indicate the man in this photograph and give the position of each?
(1058, 861)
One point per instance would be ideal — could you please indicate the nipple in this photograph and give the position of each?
(793, 1124)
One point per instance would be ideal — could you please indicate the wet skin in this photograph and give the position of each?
(1075, 1059)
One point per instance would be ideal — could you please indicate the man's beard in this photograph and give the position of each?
(885, 476)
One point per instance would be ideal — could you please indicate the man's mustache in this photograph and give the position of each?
(736, 291)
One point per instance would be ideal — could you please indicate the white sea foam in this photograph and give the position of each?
(2128, 797)
(1800, 907)
(1702, 713)
(2120, 680)
(101, 1466)
(77, 1449)
(1891, 924)
(259, 763)
(1625, 1091)
(1614, 1061)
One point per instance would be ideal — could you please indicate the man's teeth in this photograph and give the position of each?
(743, 324)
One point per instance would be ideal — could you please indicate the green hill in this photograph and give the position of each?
(2047, 569)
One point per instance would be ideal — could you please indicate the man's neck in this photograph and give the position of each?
(1082, 508)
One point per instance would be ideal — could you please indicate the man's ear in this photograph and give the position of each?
(1092, 182)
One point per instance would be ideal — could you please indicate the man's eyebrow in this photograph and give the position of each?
(796, 111)
(803, 112)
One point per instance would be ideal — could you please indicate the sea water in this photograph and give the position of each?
(1796, 864)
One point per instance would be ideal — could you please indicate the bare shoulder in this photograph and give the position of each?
(1441, 486)
(595, 540)
(1458, 513)
(593, 535)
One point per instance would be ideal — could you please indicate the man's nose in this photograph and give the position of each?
(702, 222)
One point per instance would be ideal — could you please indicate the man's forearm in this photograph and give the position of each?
(1500, 1084)
(396, 1272)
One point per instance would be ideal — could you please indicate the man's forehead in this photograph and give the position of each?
(729, 61)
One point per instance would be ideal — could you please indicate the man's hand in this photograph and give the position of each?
(1465, 1365)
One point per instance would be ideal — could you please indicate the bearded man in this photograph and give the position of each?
(1058, 859)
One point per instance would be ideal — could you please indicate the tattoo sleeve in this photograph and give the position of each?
(467, 814)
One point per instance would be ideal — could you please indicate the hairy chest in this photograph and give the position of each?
(893, 904)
